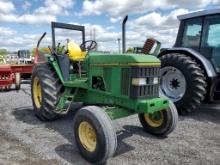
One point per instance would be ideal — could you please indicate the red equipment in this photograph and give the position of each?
(11, 74)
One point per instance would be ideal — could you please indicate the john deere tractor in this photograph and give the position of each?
(191, 69)
(110, 86)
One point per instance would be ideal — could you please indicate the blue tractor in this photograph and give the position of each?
(191, 69)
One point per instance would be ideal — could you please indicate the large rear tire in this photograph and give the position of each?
(94, 134)
(45, 91)
(183, 81)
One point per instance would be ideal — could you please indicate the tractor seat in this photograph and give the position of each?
(74, 52)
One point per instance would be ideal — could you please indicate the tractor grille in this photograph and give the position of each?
(143, 91)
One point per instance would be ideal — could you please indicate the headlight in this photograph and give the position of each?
(139, 81)
(156, 80)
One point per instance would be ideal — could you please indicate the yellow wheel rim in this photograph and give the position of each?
(87, 136)
(37, 92)
(155, 119)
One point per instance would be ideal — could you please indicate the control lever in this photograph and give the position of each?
(62, 49)
(53, 53)
(58, 47)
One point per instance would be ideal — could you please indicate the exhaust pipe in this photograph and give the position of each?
(123, 34)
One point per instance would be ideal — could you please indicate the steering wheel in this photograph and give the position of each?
(88, 45)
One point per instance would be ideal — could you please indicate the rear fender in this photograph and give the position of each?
(203, 61)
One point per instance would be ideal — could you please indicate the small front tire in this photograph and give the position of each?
(94, 134)
(160, 123)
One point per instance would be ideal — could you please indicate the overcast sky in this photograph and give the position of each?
(22, 22)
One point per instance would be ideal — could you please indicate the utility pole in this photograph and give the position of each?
(94, 38)
(90, 34)
(119, 45)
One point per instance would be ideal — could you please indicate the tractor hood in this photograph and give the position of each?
(96, 59)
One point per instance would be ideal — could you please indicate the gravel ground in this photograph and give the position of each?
(26, 140)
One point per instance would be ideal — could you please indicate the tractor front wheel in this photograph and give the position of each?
(160, 123)
(45, 92)
(94, 134)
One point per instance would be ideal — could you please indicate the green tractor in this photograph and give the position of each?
(191, 69)
(110, 86)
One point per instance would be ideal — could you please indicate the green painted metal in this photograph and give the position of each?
(77, 83)
(117, 112)
(55, 64)
(62, 102)
(108, 70)
(121, 59)
(122, 106)
(148, 105)
(116, 87)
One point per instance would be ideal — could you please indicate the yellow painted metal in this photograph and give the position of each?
(87, 136)
(37, 93)
(154, 120)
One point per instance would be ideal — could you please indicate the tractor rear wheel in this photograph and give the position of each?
(94, 134)
(17, 81)
(45, 91)
(183, 81)
(160, 123)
